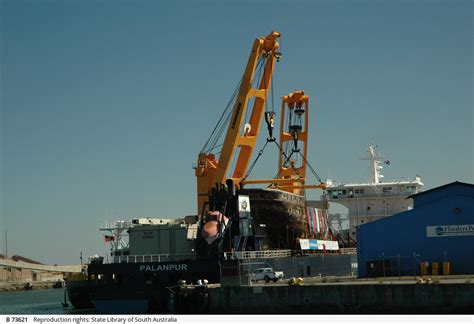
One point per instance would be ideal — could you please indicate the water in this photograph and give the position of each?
(42, 301)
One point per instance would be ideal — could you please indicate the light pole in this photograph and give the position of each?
(414, 264)
(398, 258)
(6, 244)
(383, 264)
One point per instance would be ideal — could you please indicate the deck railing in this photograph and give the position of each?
(389, 194)
(348, 250)
(268, 254)
(151, 258)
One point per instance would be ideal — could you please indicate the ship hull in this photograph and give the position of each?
(138, 288)
(78, 293)
(279, 216)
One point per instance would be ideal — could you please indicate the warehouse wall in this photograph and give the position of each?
(402, 241)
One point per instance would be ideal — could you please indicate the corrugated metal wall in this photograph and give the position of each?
(401, 241)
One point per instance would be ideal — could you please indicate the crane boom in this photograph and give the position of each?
(210, 171)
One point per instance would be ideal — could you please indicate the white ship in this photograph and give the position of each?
(374, 200)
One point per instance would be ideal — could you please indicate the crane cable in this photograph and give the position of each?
(287, 158)
(311, 168)
(272, 94)
(258, 71)
(223, 121)
(225, 117)
(206, 147)
(255, 161)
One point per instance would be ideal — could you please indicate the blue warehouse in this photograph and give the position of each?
(439, 229)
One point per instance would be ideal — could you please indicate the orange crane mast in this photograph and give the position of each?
(294, 135)
(210, 171)
(295, 105)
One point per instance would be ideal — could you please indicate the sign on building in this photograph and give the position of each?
(450, 230)
(319, 245)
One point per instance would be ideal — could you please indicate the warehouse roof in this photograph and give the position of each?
(455, 183)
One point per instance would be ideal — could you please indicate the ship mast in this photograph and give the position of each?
(375, 159)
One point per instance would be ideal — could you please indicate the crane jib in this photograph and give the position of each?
(237, 112)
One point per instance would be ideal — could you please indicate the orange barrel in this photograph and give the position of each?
(446, 268)
(424, 268)
(434, 269)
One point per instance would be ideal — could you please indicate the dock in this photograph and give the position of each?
(333, 296)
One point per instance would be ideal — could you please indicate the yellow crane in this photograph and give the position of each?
(241, 136)
(210, 171)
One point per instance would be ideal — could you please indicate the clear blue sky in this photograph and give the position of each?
(105, 104)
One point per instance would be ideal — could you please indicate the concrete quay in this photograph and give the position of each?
(351, 296)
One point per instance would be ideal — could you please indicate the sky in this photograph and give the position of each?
(106, 104)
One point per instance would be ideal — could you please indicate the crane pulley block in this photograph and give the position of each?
(270, 117)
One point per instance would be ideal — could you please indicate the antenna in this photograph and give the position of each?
(375, 159)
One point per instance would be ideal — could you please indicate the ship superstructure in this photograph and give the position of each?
(375, 199)
(151, 238)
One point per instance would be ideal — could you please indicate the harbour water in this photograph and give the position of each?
(42, 301)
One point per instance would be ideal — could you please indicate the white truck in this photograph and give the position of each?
(266, 274)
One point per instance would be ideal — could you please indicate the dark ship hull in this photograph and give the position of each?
(140, 288)
(78, 293)
(278, 216)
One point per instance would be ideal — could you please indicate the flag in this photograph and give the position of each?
(319, 220)
(108, 238)
(314, 219)
(325, 223)
(326, 217)
(310, 213)
(310, 218)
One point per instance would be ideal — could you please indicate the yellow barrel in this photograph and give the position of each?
(424, 268)
(446, 268)
(434, 269)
